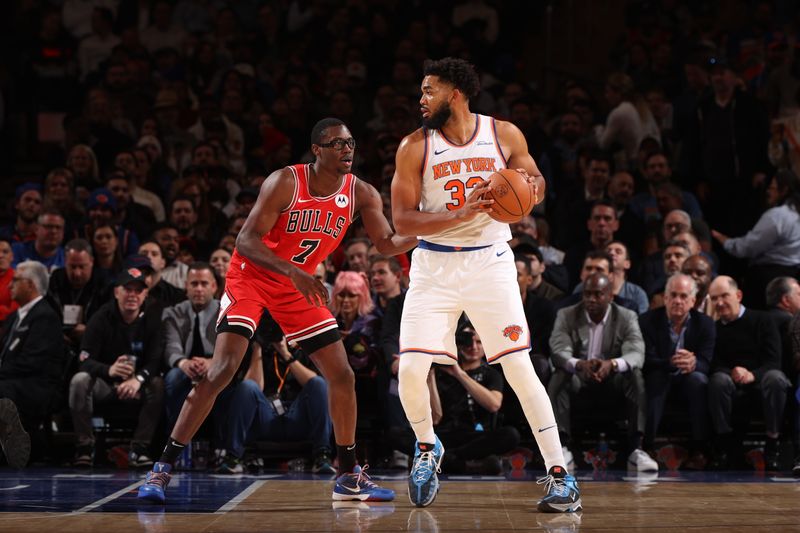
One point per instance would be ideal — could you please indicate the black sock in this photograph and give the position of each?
(347, 458)
(171, 451)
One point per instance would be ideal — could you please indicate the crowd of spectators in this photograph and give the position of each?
(660, 271)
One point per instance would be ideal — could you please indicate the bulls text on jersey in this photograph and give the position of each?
(309, 221)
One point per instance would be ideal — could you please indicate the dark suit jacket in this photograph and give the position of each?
(699, 338)
(34, 360)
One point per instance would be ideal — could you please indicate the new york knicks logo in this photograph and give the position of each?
(342, 200)
(513, 332)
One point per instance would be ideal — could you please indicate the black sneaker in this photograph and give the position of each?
(323, 464)
(230, 465)
(83, 457)
(796, 468)
(772, 455)
(14, 440)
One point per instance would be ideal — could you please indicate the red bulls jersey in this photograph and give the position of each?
(311, 227)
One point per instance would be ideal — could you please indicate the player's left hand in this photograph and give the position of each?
(533, 181)
(310, 287)
(603, 370)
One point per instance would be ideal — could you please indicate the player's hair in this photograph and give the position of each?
(319, 128)
(777, 289)
(459, 73)
(356, 283)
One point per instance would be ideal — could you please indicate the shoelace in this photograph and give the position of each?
(424, 467)
(363, 477)
(555, 485)
(157, 478)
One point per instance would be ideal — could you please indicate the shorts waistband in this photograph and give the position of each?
(425, 245)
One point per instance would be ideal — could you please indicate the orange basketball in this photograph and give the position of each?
(512, 194)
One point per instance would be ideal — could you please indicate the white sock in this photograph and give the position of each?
(518, 371)
(414, 394)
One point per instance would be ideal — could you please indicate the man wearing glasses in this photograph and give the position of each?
(300, 217)
(30, 361)
(46, 247)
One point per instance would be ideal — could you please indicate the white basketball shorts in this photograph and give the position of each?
(482, 283)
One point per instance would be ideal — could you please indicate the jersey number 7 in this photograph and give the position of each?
(309, 246)
(458, 191)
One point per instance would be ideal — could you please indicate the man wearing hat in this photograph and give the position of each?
(120, 361)
(150, 260)
(28, 206)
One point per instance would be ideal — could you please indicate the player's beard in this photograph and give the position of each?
(437, 119)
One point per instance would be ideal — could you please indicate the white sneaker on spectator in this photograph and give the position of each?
(641, 462)
(569, 459)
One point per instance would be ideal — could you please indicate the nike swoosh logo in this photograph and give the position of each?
(304, 200)
(437, 152)
(354, 491)
(548, 427)
(501, 253)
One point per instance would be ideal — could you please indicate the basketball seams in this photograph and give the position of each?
(516, 196)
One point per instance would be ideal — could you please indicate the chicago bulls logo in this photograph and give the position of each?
(513, 332)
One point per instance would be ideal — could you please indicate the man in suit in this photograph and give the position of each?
(31, 360)
(679, 343)
(189, 336)
(596, 345)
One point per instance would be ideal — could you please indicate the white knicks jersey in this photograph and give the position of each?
(450, 172)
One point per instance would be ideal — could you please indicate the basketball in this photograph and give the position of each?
(512, 194)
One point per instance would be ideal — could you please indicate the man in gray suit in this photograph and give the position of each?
(597, 349)
(189, 336)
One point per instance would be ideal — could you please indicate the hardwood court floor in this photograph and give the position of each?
(66, 501)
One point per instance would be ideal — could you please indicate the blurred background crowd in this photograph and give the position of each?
(136, 135)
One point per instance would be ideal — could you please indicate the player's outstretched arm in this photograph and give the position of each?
(275, 195)
(407, 191)
(370, 206)
(514, 144)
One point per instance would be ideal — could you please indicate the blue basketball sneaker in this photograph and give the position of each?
(563, 495)
(423, 482)
(155, 483)
(357, 485)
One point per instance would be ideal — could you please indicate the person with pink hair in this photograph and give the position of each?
(352, 306)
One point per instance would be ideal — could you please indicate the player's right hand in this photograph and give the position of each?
(310, 287)
(476, 203)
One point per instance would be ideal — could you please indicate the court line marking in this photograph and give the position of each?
(108, 498)
(239, 498)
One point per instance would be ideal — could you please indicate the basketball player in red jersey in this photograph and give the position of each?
(301, 215)
(437, 194)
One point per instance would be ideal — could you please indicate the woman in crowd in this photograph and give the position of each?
(107, 255)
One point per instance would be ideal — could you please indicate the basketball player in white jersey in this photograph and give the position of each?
(463, 263)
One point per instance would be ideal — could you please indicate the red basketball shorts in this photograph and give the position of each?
(249, 290)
